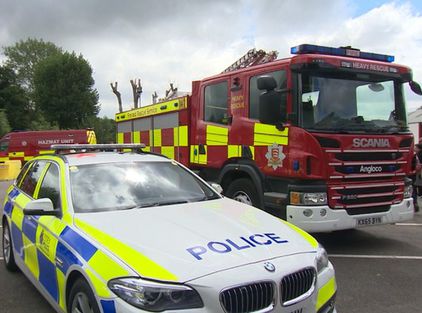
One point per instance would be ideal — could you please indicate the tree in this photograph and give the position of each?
(4, 124)
(105, 129)
(13, 100)
(24, 56)
(64, 90)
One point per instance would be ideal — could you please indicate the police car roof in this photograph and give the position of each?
(111, 157)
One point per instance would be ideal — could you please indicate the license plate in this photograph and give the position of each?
(369, 221)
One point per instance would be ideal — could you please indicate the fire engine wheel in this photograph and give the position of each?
(243, 190)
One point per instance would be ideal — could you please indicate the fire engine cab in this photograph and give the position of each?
(319, 139)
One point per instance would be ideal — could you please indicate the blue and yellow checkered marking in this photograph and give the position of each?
(17, 240)
(47, 276)
(29, 228)
(49, 247)
(14, 193)
(108, 306)
(82, 246)
(8, 207)
(67, 257)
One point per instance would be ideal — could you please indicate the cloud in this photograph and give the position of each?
(180, 41)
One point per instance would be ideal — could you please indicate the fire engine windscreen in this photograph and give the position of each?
(352, 102)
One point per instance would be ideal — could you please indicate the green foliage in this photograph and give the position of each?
(13, 100)
(4, 124)
(64, 90)
(40, 123)
(105, 129)
(24, 56)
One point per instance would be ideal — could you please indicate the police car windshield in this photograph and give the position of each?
(120, 186)
(352, 102)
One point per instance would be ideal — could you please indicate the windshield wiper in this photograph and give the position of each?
(160, 203)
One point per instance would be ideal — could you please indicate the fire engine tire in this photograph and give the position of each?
(243, 190)
(8, 255)
(82, 299)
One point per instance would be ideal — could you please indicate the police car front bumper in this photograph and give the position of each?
(210, 286)
(325, 219)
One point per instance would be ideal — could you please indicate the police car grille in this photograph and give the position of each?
(296, 285)
(248, 298)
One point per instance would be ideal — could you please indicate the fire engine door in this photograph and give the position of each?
(210, 142)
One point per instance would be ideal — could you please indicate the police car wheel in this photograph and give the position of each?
(82, 299)
(244, 191)
(9, 257)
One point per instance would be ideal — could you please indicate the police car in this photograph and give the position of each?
(112, 231)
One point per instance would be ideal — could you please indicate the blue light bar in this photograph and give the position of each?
(343, 51)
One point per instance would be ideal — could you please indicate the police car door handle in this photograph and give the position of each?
(59, 262)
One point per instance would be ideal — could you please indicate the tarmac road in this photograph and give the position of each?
(379, 270)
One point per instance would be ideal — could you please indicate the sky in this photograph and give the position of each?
(178, 41)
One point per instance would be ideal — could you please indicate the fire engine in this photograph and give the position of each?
(319, 139)
(24, 145)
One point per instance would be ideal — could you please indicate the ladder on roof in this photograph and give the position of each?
(251, 58)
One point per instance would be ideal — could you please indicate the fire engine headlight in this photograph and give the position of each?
(155, 297)
(408, 191)
(321, 259)
(308, 198)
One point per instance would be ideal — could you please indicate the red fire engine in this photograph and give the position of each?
(319, 139)
(24, 145)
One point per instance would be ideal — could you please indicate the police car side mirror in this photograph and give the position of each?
(42, 206)
(217, 187)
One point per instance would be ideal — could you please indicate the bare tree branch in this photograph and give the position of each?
(118, 95)
(136, 90)
(154, 97)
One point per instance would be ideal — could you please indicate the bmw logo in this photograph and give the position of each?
(269, 266)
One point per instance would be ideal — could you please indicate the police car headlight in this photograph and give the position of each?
(408, 191)
(155, 297)
(321, 259)
(308, 198)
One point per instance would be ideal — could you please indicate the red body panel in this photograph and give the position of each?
(25, 144)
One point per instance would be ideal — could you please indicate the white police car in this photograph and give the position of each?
(137, 232)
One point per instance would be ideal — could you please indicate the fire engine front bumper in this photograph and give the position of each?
(325, 219)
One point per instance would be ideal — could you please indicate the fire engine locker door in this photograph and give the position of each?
(166, 134)
(142, 132)
(124, 132)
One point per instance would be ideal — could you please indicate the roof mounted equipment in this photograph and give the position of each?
(251, 58)
(341, 51)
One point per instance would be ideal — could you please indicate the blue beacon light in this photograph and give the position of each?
(342, 51)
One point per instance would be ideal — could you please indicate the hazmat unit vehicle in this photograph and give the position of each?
(24, 145)
(319, 139)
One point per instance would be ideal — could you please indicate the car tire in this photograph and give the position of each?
(243, 190)
(82, 299)
(8, 255)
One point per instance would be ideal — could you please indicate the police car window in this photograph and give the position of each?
(31, 178)
(254, 93)
(50, 186)
(22, 173)
(4, 145)
(216, 100)
(119, 186)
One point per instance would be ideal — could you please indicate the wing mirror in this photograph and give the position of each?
(42, 206)
(217, 187)
(416, 88)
